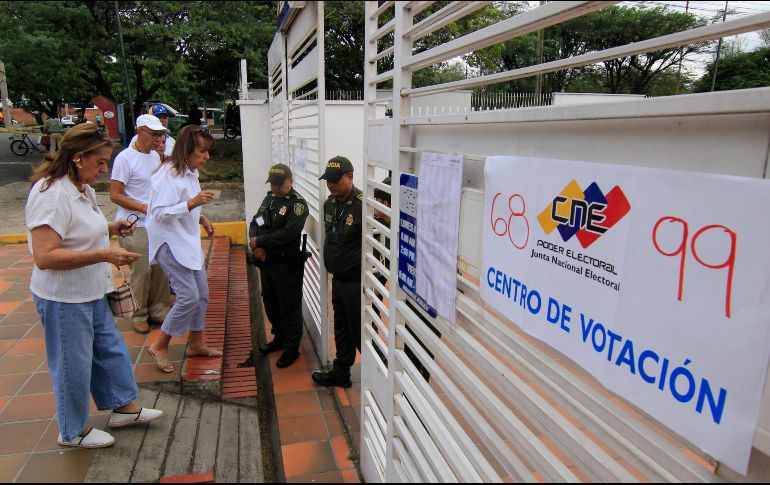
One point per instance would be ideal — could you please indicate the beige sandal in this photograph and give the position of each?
(163, 364)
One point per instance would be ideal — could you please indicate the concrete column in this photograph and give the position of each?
(257, 152)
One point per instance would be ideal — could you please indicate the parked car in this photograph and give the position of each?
(67, 120)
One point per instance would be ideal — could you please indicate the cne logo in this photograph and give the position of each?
(585, 214)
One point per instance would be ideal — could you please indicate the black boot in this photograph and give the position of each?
(271, 347)
(329, 379)
(287, 358)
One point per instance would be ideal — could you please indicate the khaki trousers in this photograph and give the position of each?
(55, 139)
(149, 282)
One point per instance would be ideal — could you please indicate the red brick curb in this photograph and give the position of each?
(238, 382)
(204, 374)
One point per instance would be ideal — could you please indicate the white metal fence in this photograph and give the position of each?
(478, 399)
(296, 65)
(505, 100)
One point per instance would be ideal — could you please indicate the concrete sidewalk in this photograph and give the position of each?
(227, 206)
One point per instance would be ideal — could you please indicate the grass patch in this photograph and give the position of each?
(225, 164)
(223, 170)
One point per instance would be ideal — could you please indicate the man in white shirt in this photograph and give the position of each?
(160, 112)
(130, 190)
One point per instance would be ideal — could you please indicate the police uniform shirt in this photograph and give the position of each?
(343, 223)
(278, 224)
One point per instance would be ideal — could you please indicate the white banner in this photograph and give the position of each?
(656, 282)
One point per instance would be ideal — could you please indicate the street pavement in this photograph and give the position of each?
(14, 168)
(227, 206)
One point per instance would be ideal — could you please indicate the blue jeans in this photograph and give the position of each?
(86, 355)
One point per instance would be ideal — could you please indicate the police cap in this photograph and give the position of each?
(278, 174)
(336, 168)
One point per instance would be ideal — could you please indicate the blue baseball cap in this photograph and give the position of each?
(158, 109)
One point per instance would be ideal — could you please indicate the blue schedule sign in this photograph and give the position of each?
(407, 242)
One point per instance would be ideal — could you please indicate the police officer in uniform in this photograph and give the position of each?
(274, 238)
(342, 258)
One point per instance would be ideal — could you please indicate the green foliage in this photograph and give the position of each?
(183, 52)
(603, 29)
(41, 55)
(344, 25)
(443, 73)
(739, 71)
(344, 43)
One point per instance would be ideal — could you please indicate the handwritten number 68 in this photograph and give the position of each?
(681, 251)
(502, 226)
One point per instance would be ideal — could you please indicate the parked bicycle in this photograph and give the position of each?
(25, 144)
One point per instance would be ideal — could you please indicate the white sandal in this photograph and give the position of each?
(145, 415)
(92, 438)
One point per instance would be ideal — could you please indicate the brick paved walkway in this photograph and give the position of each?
(313, 442)
(217, 435)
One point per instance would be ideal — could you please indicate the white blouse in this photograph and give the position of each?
(78, 220)
(169, 221)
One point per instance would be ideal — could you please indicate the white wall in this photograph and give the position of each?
(344, 136)
(257, 152)
(452, 101)
(567, 99)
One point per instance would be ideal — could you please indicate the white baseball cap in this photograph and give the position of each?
(151, 122)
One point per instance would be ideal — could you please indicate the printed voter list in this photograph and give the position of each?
(438, 213)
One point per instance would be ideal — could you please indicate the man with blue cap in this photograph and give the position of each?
(159, 111)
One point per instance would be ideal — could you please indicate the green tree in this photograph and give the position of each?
(740, 71)
(42, 63)
(220, 35)
(606, 28)
(344, 43)
(616, 26)
(192, 48)
(444, 73)
(344, 24)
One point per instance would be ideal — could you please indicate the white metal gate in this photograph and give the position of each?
(297, 89)
(480, 400)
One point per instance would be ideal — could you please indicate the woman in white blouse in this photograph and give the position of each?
(173, 220)
(69, 240)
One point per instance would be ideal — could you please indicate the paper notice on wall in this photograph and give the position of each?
(300, 155)
(278, 153)
(438, 210)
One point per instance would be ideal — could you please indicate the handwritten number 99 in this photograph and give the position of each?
(502, 226)
(681, 252)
